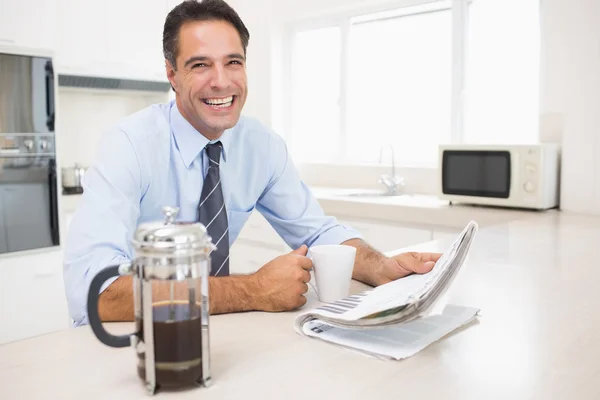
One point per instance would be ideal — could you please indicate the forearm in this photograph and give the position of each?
(226, 294)
(368, 261)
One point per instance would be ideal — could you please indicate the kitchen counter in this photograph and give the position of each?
(535, 280)
(413, 209)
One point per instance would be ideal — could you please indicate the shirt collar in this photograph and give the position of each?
(191, 142)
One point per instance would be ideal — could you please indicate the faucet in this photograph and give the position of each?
(393, 183)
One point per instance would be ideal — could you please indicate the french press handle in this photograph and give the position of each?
(92, 306)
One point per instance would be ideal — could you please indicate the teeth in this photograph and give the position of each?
(213, 102)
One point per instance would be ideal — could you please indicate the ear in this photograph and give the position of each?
(171, 75)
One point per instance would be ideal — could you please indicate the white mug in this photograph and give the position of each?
(332, 266)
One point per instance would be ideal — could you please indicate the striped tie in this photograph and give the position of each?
(212, 213)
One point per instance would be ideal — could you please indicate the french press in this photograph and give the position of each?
(170, 293)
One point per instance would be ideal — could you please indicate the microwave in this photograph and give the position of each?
(516, 176)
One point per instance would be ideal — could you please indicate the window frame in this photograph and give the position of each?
(342, 19)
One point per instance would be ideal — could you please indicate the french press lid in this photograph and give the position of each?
(171, 237)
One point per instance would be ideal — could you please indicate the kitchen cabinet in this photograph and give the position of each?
(28, 25)
(387, 237)
(257, 244)
(32, 296)
(115, 39)
(134, 33)
(82, 45)
(248, 257)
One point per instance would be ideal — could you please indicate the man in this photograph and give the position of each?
(198, 154)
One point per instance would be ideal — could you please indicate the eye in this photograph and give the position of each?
(235, 62)
(198, 65)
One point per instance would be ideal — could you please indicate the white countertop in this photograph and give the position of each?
(536, 281)
(413, 209)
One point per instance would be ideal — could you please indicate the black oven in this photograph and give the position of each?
(28, 173)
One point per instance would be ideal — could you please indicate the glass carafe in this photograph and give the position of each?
(170, 293)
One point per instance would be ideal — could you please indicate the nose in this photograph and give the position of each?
(220, 78)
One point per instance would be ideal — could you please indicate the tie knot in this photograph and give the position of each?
(213, 150)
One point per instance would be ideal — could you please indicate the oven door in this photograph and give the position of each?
(476, 173)
(27, 97)
(28, 202)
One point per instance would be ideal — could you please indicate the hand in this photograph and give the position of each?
(281, 283)
(404, 264)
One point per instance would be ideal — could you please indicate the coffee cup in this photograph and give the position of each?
(332, 267)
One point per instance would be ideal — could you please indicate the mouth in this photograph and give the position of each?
(220, 103)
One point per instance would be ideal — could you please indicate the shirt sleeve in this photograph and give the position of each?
(290, 207)
(102, 227)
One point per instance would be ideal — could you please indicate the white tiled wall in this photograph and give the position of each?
(83, 115)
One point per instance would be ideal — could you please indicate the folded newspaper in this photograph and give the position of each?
(400, 318)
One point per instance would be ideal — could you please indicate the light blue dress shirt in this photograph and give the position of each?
(155, 158)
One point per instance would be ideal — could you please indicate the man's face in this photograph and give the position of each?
(210, 80)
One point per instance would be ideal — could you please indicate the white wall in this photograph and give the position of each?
(570, 96)
(84, 115)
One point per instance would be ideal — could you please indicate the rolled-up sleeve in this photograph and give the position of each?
(101, 230)
(290, 207)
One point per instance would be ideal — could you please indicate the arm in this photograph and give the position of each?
(278, 286)
(226, 294)
(292, 210)
(374, 268)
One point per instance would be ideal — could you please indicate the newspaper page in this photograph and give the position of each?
(399, 301)
(395, 342)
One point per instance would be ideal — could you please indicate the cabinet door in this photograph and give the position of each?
(386, 237)
(247, 258)
(32, 296)
(28, 25)
(9, 14)
(257, 228)
(36, 24)
(134, 35)
(81, 47)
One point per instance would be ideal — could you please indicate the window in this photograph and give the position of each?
(315, 107)
(399, 87)
(364, 81)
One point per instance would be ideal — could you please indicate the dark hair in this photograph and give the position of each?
(193, 10)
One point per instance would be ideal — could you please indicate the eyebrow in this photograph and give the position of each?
(236, 56)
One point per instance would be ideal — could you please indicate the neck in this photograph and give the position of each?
(198, 125)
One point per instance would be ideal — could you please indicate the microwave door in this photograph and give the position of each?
(476, 173)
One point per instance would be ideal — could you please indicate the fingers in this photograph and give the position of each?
(415, 262)
(302, 301)
(305, 276)
(305, 262)
(302, 250)
(426, 257)
(304, 288)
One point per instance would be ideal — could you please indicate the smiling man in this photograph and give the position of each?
(199, 154)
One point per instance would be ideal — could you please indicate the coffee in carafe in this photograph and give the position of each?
(170, 292)
(177, 350)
